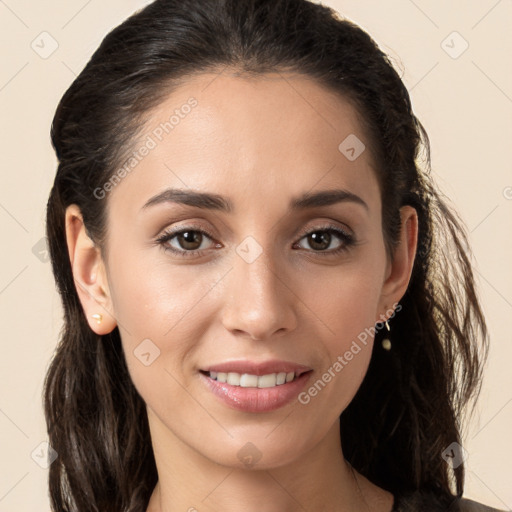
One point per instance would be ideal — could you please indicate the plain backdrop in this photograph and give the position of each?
(455, 60)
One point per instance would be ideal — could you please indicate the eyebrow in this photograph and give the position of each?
(192, 198)
(325, 198)
(211, 201)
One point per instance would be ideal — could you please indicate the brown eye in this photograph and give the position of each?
(319, 240)
(185, 242)
(190, 240)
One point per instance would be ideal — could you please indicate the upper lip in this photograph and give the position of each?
(261, 368)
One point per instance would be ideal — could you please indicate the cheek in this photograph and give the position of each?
(162, 311)
(345, 303)
(350, 343)
(345, 298)
(347, 309)
(153, 298)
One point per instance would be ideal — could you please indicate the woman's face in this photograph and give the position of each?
(267, 270)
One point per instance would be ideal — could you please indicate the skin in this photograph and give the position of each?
(260, 142)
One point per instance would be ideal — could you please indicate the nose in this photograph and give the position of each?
(259, 300)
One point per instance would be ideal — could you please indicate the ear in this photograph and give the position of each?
(89, 274)
(398, 271)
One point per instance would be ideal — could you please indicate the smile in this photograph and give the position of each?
(247, 380)
(255, 393)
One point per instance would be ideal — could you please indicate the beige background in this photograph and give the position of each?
(465, 103)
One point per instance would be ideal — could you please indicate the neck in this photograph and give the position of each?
(320, 479)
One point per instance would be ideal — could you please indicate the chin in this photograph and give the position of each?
(256, 452)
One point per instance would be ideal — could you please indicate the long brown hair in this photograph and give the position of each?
(411, 404)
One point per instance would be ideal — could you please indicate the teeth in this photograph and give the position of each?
(267, 381)
(246, 380)
(233, 379)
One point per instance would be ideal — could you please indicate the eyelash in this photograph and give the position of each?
(347, 239)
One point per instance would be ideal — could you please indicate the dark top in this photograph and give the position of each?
(428, 502)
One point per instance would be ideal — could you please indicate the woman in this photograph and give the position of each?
(265, 297)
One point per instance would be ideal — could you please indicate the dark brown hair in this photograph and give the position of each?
(411, 404)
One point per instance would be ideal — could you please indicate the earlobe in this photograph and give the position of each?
(400, 269)
(89, 274)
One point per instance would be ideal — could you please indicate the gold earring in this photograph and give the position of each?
(386, 342)
(98, 318)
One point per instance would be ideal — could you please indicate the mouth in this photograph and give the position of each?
(256, 387)
(248, 380)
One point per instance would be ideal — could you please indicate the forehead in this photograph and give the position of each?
(277, 133)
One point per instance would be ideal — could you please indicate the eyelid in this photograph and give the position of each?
(325, 227)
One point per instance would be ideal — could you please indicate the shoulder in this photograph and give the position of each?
(422, 501)
(467, 505)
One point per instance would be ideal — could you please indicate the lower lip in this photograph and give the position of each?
(256, 399)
